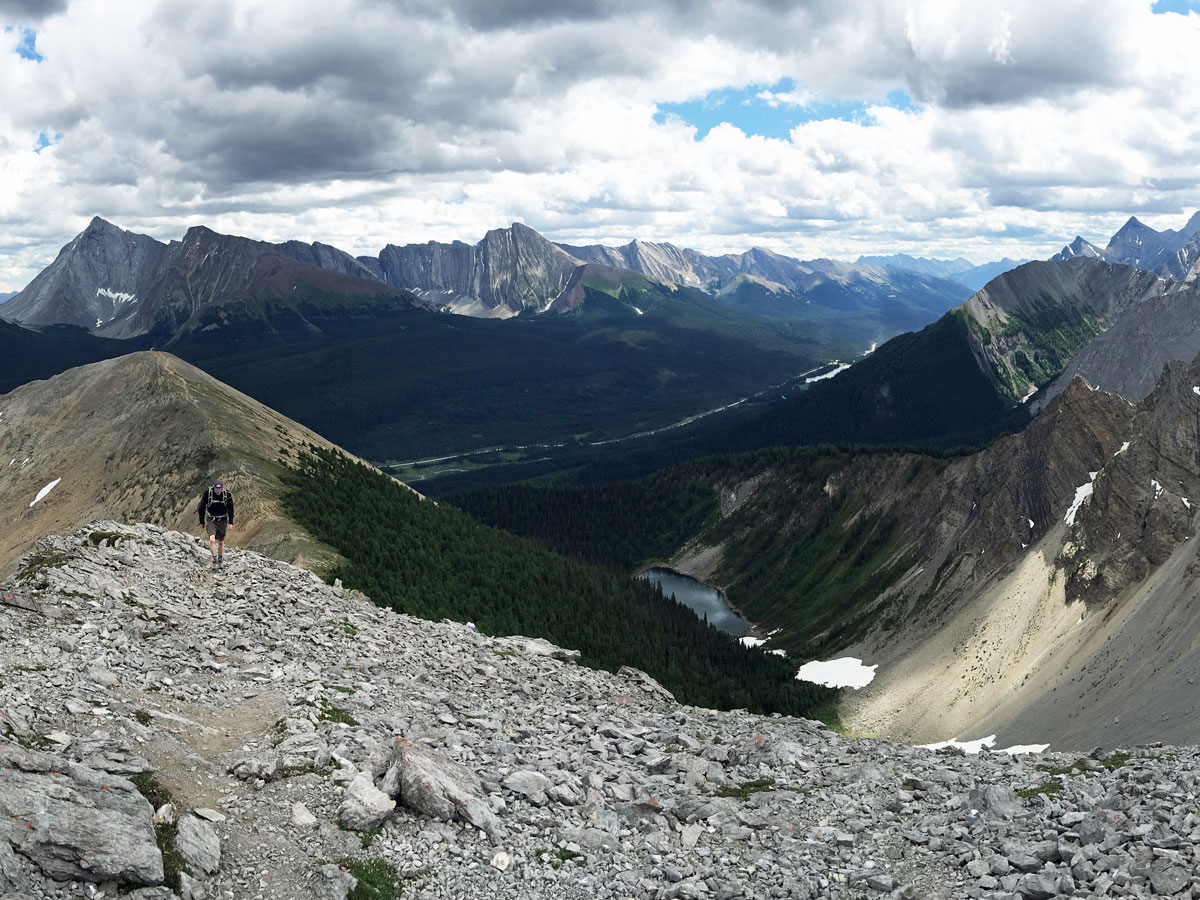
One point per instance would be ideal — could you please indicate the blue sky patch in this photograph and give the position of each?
(44, 140)
(771, 110)
(1183, 7)
(27, 48)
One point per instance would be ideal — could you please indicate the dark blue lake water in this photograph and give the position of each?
(699, 598)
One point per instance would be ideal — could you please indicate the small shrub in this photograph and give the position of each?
(109, 538)
(1048, 789)
(164, 835)
(331, 713)
(748, 788)
(377, 879)
(47, 559)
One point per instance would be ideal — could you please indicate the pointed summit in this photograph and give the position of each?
(1079, 247)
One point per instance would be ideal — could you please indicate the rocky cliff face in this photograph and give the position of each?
(288, 737)
(1128, 359)
(328, 257)
(98, 278)
(510, 270)
(1027, 325)
(1058, 606)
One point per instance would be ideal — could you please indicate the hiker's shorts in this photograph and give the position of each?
(214, 528)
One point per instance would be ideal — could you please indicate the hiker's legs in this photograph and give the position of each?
(212, 544)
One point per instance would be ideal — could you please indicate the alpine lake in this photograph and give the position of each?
(699, 598)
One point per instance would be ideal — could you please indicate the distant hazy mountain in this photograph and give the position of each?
(119, 284)
(776, 285)
(942, 268)
(1078, 247)
(960, 270)
(7, 296)
(1169, 253)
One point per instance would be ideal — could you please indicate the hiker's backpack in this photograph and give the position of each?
(210, 501)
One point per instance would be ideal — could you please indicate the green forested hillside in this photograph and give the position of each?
(434, 561)
(794, 556)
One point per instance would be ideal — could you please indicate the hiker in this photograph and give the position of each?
(216, 515)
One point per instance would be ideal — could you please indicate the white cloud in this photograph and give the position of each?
(360, 123)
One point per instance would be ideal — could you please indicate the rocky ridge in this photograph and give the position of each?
(140, 436)
(292, 735)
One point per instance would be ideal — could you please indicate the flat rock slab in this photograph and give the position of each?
(197, 842)
(74, 822)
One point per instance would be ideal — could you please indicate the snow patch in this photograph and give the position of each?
(116, 296)
(848, 671)
(636, 310)
(1124, 447)
(1196, 390)
(1185, 502)
(779, 652)
(1030, 521)
(1081, 493)
(1158, 488)
(749, 641)
(1032, 391)
(44, 491)
(989, 742)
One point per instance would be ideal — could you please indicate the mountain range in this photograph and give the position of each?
(120, 284)
(300, 326)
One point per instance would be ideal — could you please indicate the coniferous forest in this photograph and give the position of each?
(434, 561)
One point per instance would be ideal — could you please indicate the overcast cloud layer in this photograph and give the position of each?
(363, 122)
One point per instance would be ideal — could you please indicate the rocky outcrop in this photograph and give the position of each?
(592, 786)
(73, 822)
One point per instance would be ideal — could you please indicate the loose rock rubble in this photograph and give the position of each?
(291, 734)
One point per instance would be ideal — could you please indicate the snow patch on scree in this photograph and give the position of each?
(848, 671)
(44, 491)
(989, 742)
